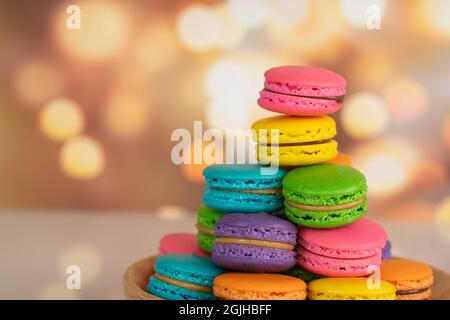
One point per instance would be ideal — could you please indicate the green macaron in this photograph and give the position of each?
(206, 220)
(324, 195)
(302, 274)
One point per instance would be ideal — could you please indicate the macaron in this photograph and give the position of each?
(302, 91)
(324, 195)
(206, 220)
(346, 251)
(295, 141)
(259, 286)
(412, 279)
(349, 289)
(342, 159)
(386, 251)
(183, 277)
(254, 243)
(181, 243)
(302, 274)
(244, 188)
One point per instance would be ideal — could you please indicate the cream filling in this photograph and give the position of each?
(205, 230)
(297, 144)
(265, 191)
(254, 242)
(182, 284)
(326, 208)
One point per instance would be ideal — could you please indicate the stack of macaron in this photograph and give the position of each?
(296, 233)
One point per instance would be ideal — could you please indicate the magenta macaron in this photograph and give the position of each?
(347, 251)
(302, 91)
(180, 243)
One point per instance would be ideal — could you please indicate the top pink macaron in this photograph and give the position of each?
(302, 91)
(180, 243)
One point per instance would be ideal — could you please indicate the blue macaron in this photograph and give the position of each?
(244, 188)
(183, 277)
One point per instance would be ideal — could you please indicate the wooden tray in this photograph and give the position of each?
(137, 275)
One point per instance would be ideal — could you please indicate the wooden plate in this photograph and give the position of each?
(137, 275)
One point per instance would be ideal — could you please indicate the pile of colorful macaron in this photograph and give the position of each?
(297, 232)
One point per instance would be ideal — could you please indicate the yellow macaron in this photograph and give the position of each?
(350, 289)
(295, 141)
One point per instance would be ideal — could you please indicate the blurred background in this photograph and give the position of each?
(86, 117)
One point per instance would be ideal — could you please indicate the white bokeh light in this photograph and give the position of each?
(250, 13)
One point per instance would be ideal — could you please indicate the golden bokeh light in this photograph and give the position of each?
(364, 116)
(82, 158)
(435, 14)
(289, 13)
(446, 130)
(198, 27)
(442, 219)
(231, 33)
(389, 165)
(86, 257)
(127, 112)
(406, 99)
(355, 11)
(250, 13)
(57, 290)
(103, 31)
(61, 119)
(372, 68)
(413, 210)
(171, 212)
(37, 81)
(156, 46)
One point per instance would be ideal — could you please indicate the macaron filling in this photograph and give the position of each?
(252, 191)
(308, 207)
(338, 99)
(204, 230)
(298, 144)
(412, 291)
(183, 284)
(254, 242)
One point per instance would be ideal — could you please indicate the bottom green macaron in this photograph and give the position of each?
(302, 274)
(206, 220)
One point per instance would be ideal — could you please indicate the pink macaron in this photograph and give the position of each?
(302, 91)
(347, 251)
(180, 243)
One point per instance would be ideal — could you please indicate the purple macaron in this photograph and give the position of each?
(386, 251)
(254, 243)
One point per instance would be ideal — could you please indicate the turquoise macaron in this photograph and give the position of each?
(244, 188)
(183, 277)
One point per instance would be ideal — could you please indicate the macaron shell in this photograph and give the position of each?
(168, 291)
(305, 81)
(253, 286)
(425, 295)
(349, 289)
(294, 129)
(364, 234)
(334, 267)
(242, 202)
(297, 155)
(295, 105)
(207, 217)
(205, 242)
(325, 219)
(407, 274)
(180, 243)
(386, 251)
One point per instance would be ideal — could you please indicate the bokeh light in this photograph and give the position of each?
(198, 27)
(250, 13)
(172, 212)
(193, 172)
(86, 257)
(231, 33)
(446, 130)
(57, 290)
(355, 11)
(127, 112)
(372, 67)
(82, 158)
(431, 173)
(442, 219)
(436, 14)
(37, 81)
(405, 98)
(388, 165)
(412, 210)
(364, 116)
(61, 119)
(103, 32)
(289, 13)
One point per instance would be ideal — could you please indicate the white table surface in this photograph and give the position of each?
(33, 245)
